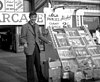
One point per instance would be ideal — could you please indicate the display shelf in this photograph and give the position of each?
(82, 32)
(51, 32)
(94, 50)
(69, 65)
(73, 46)
(96, 61)
(76, 49)
(88, 41)
(86, 36)
(58, 38)
(59, 31)
(85, 63)
(61, 40)
(65, 53)
(71, 32)
(81, 52)
(75, 41)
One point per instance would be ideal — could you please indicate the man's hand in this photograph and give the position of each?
(25, 45)
(50, 43)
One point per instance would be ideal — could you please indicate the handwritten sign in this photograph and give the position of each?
(57, 20)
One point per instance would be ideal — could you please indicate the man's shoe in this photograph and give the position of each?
(46, 80)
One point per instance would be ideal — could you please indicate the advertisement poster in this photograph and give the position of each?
(11, 5)
(19, 5)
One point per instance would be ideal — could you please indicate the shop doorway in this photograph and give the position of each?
(7, 38)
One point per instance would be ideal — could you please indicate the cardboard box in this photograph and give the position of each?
(55, 72)
(96, 73)
(54, 80)
(54, 64)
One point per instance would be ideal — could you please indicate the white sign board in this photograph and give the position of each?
(40, 19)
(18, 18)
(11, 5)
(19, 5)
(58, 19)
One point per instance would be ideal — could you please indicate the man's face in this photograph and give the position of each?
(33, 19)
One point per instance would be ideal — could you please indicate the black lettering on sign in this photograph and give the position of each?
(1, 5)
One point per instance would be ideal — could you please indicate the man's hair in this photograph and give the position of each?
(98, 27)
(32, 13)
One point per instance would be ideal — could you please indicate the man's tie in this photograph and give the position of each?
(33, 27)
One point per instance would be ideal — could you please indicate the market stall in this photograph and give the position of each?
(74, 54)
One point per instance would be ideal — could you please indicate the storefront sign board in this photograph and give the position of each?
(10, 18)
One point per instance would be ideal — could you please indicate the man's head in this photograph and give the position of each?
(32, 17)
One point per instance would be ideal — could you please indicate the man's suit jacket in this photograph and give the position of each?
(28, 37)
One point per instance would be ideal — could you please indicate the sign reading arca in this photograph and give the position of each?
(18, 18)
(11, 13)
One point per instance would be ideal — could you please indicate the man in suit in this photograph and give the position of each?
(30, 35)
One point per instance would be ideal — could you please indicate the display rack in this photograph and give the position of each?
(95, 54)
(76, 48)
(81, 52)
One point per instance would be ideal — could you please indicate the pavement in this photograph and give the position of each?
(12, 67)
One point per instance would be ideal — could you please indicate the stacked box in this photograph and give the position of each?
(94, 50)
(88, 73)
(54, 80)
(96, 73)
(79, 76)
(55, 71)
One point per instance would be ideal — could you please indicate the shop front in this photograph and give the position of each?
(9, 22)
(92, 19)
(74, 51)
(14, 22)
(91, 13)
(13, 14)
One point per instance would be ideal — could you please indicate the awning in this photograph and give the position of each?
(84, 1)
(92, 12)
